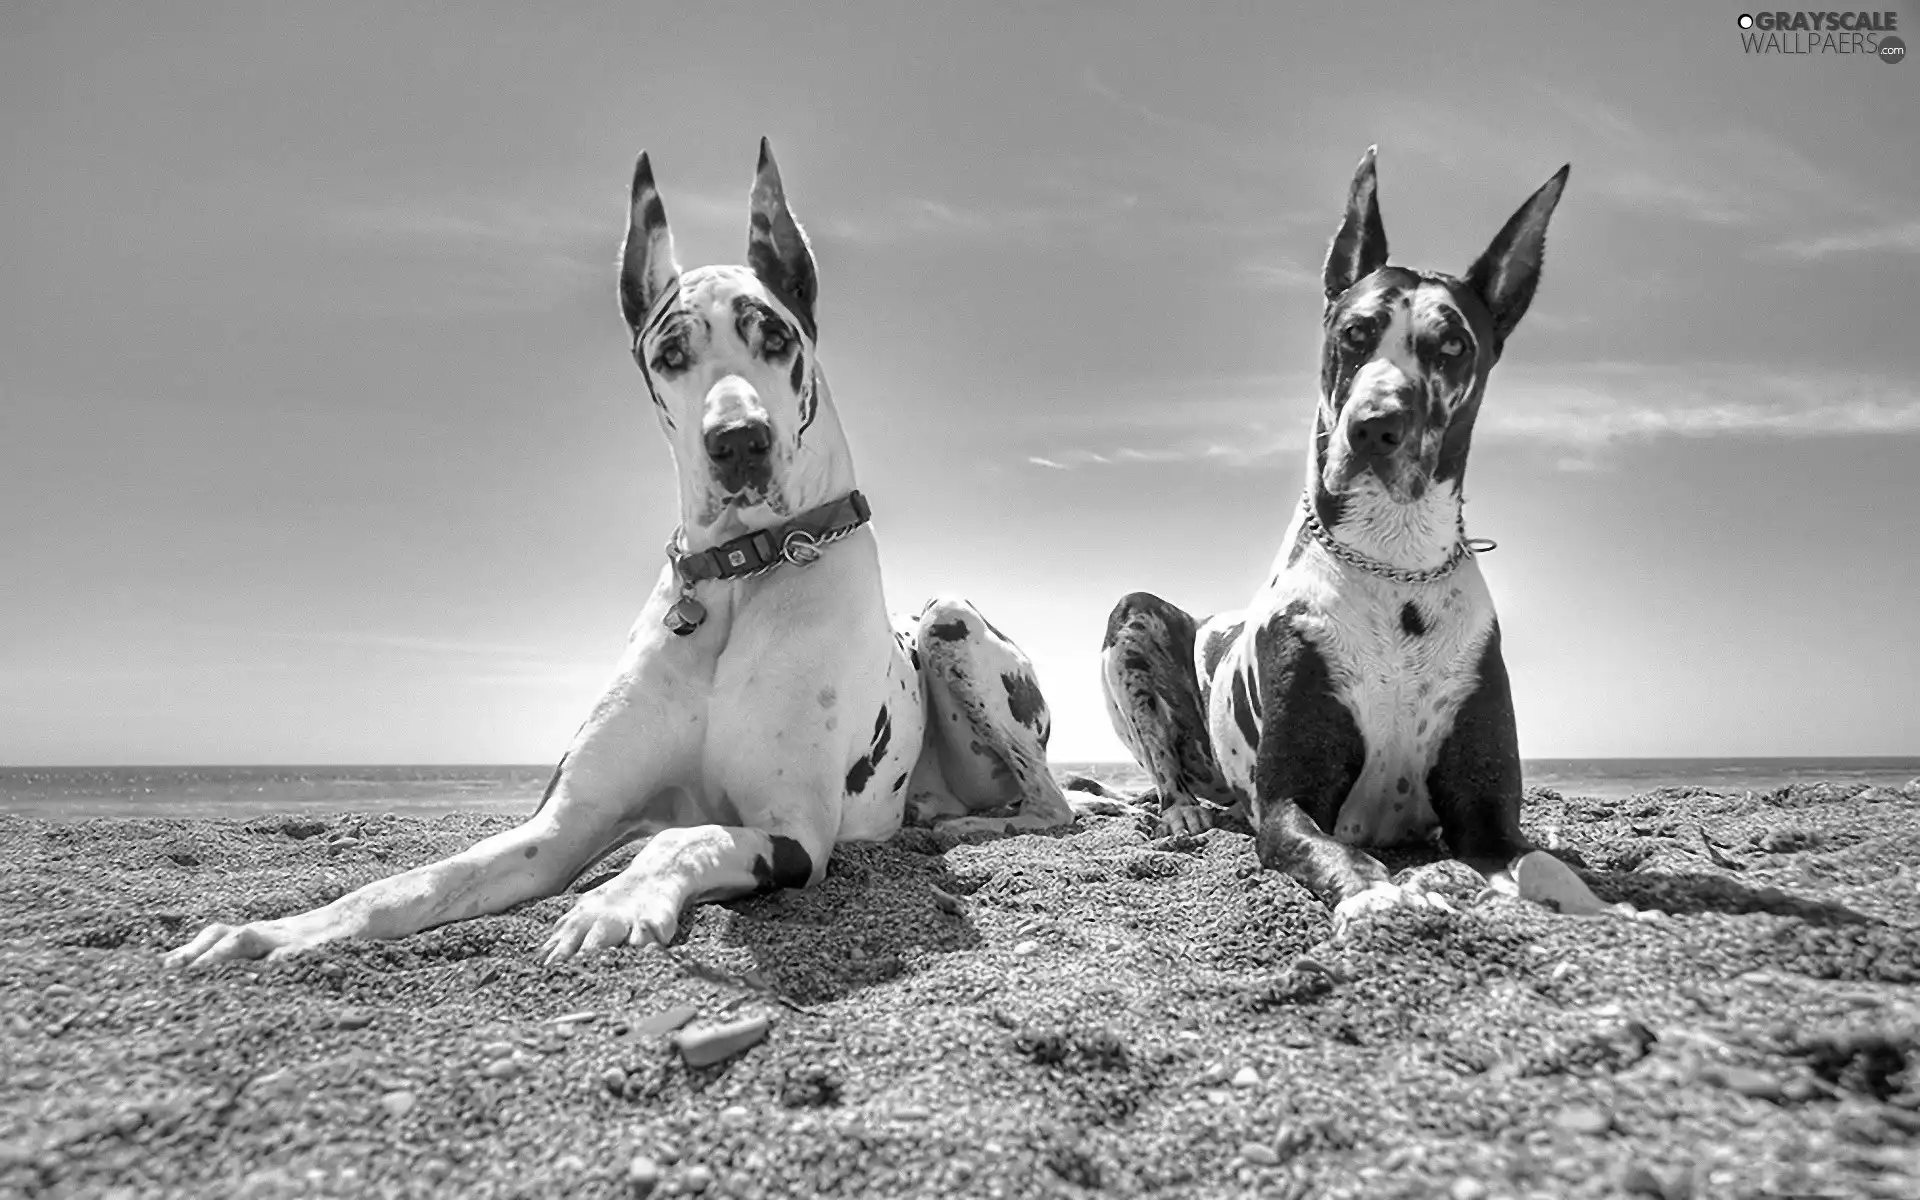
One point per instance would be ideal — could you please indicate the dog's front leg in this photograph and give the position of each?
(1475, 788)
(630, 742)
(519, 864)
(776, 785)
(677, 868)
(1348, 880)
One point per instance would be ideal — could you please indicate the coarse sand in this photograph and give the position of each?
(1104, 1014)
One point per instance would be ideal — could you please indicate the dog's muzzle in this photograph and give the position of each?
(742, 455)
(1376, 437)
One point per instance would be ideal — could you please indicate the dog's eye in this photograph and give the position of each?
(1355, 336)
(774, 342)
(672, 357)
(1453, 347)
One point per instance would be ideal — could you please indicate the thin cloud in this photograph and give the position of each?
(463, 256)
(1582, 411)
(917, 218)
(1722, 178)
(1605, 404)
(1902, 237)
(1280, 275)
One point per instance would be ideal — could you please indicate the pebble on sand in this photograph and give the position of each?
(1246, 1077)
(614, 1080)
(1467, 1188)
(1583, 1119)
(397, 1104)
(1749, 1082)
(704, 1045)
(643, 1175)
(353, 1020)
(504, 1068)
(1022, 949)
(665, 1022)
(1641, 1180)
(696, 1179)
(1259, 1154)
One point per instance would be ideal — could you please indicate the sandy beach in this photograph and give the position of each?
(1106, 1014)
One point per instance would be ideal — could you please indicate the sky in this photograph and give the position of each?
(320, 442)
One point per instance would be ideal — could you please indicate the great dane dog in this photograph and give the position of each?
(1360, 699)
(766, 707)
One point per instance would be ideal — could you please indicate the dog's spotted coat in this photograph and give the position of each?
(1343, 707)
(795, 713)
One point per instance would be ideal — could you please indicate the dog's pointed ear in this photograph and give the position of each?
(776, 247)
(1506, 275)
(1360, 248)
(647, 267)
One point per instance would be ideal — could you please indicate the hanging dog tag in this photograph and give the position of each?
(686, 615)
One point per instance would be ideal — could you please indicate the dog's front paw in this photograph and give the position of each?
(604, 918)
(257, 939)
(1380, 898)
(1189, 819)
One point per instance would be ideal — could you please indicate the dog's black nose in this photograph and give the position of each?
(740, 453)
(1377, 436)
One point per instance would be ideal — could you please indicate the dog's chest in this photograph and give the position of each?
(1401, 660)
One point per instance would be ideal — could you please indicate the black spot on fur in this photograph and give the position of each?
(900, 783)
(1404, 785)
(949, 631)
(653, 214)
(1243, 712)
(1301, 778)
(1133, 660)
(882, 734)
(857, 776)
(1023, 699)
(759, 223)
(1216, 645)
(1411, 622)
(1323, 751)
(913, 654)
(1475, 783)
(1298, 548)
(792, 866)
(798, 375)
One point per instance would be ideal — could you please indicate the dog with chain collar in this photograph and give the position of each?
(1361, 699)
(766, 707)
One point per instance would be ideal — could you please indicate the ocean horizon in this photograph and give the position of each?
(71, 793)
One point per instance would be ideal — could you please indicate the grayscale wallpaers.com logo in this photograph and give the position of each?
(1869, 34)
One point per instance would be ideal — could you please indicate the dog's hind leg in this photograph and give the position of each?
(1158, 705)
(987, 727)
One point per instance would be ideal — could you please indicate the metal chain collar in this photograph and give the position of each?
(1462, 550)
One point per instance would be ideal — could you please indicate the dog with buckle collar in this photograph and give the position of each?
(1361, 700)
(766, 706)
